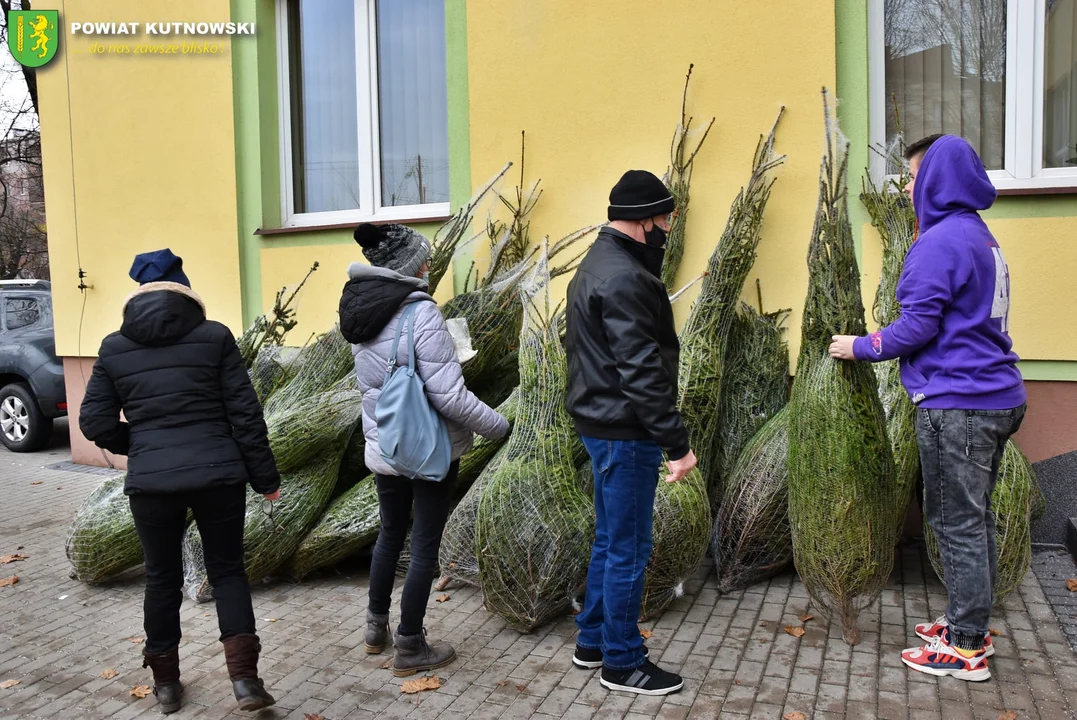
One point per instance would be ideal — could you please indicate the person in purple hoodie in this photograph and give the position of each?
(958, 366)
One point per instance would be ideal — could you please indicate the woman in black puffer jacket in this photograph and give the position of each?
(194, 437)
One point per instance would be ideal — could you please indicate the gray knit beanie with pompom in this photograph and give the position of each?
(394, 247)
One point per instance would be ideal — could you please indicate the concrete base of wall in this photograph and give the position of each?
(83, 452)
(1050, 427)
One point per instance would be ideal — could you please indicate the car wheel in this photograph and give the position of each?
(22, 426)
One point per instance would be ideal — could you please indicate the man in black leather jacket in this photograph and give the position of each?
(622, 358)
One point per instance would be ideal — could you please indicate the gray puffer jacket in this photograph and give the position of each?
(370, 309)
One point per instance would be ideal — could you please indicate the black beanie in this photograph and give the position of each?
(396, 247)
(639, 195)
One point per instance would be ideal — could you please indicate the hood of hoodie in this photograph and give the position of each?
(161, 313)
(951, 181)
(371, 298)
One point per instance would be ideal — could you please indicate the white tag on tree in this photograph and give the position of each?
(461, 338)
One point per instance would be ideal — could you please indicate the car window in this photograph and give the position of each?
(21, 312)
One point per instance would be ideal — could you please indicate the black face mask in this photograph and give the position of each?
(655, 237)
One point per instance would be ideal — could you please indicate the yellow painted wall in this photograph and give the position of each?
(142, 158)
(316, 304)
(597, 86)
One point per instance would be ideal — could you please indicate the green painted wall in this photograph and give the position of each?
(1048, 370)
(851, 30)
(254, 91)
(459, 127)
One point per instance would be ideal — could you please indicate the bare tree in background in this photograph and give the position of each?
(23, 238)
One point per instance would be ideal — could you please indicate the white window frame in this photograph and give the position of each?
(1025, 52)
(370, 199)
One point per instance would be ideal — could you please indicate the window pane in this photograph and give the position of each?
(946, 72)
(325, 134)
(413, 103)
(1060, 85)
(21, 312)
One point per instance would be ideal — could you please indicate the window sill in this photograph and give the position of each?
(1053, 190)
(434, 217)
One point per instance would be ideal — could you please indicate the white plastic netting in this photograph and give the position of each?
(752, 539)
(535, 526)
(844, 501)
(102, 543)
(893, 218)
(705, 336)
(273, 532)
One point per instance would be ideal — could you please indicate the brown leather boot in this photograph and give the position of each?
(241, 656)
(166, 678)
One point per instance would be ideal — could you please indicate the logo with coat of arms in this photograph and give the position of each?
(33, 35)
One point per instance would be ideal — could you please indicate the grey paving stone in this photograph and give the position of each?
(732, 649)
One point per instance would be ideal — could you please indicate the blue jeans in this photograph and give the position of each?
(960, 454)
(626, 478)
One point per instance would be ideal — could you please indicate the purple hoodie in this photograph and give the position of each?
(953, 333)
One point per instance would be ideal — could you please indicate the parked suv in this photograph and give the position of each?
(32, 392)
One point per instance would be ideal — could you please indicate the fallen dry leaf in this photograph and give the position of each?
(312, 716)
(1071, 584)
(646, 634)
(271, 619)
(794, 716)
(521, 688)
(15, 557)
(39, 482)
(994, 632)
(13, 580)
(444, 597)
(136, 640)
(108, 674)
(7, 684)
(806, 617)
(141, 691)
(418, 685)
(503, 683)
(797, 632)
(387, 665)
(1008, 715)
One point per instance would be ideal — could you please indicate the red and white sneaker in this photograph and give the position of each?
(941, 659)
(929, 631)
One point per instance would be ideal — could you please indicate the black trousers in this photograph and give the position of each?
(160, 520)
(432, 502)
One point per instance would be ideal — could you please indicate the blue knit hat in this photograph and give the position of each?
(159, 266)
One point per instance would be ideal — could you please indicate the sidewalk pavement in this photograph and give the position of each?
(57, 636)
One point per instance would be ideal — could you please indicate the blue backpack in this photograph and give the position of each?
(412, 436)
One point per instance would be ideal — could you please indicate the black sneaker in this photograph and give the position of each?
(587, 659)
(647, 679)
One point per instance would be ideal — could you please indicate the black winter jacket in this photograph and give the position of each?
(192, 418)
(622, 347)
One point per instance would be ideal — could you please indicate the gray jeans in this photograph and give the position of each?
(960, 452)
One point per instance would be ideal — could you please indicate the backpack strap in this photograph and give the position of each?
(405, 317)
